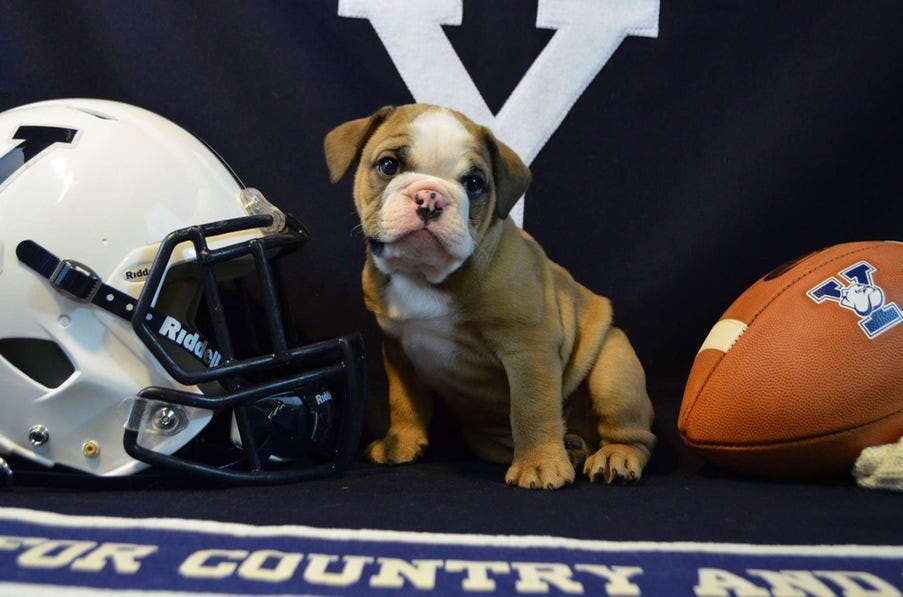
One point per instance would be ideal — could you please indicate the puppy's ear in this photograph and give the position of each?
(510, 174)
(344, 143)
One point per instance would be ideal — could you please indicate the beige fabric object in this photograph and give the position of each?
(880, 467)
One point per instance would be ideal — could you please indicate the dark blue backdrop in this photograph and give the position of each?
(744, 134)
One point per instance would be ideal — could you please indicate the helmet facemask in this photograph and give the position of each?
(185, 339)
(220, 322)
(281, 398)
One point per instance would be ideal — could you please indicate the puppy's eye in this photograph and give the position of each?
(388, 166)
(473, 185)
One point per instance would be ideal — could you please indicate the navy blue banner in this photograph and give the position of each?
(44, 553)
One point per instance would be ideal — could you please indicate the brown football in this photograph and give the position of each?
(805, 368)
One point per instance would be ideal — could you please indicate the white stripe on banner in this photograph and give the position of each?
(44, 553)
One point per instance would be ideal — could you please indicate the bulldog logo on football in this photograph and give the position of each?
(862, 296)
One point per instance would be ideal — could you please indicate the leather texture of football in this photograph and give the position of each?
(805, 368)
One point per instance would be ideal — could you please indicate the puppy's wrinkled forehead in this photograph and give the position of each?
(441, 143)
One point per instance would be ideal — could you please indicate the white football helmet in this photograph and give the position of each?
(141, 308)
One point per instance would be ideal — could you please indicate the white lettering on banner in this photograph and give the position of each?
(393, 573)
(270, 565)
(84, 556)
(212, 563)
(477, 578)
(860, 584)
(124, 558)
(8, 543)
(54, 553)
(537, 577)
(714, 582)
(618, 578)
(319, 570)
(587, 33)
(397, 573)
(793, 582)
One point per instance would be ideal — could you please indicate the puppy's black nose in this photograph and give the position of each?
(426, 214)
(430, 201)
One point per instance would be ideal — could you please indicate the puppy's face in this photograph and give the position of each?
(429, 185)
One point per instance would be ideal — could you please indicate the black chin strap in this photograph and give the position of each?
(80, 283)
(75, 280)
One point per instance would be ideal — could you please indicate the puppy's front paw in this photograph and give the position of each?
(396, 449)
(616, 463)
(541, 470)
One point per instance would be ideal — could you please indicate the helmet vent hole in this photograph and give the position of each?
(96, 113)
(41, 360)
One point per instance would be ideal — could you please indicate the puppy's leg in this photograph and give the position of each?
(540, 460)
(617, 386)
(410, 409)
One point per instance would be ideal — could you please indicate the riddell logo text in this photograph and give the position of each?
(173, 330)
(136, 274)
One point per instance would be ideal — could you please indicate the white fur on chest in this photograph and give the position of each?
(422, 319)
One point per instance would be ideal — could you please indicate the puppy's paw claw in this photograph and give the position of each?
(615, 463)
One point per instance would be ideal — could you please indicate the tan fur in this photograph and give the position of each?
(523, 353)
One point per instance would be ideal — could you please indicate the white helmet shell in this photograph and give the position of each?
(100, 183)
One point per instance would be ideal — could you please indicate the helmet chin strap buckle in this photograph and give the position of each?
(70, 278)
(75, 280)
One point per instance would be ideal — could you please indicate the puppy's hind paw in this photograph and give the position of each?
(396, 449)
(577, 450)
(615, 463)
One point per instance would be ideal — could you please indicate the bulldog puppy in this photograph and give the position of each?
(473, 310)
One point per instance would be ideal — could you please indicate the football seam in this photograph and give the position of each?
(708, 377)
(799, 440)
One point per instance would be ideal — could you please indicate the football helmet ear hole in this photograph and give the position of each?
(95, 113)
(41, 360)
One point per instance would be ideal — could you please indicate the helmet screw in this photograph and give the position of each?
(6, 474)
(38, 435)
(166, 418)
(91, 449)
